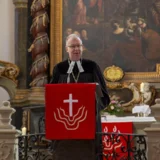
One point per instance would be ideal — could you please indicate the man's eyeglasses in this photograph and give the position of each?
(74, 46)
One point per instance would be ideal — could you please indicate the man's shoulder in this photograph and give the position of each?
(89, 65)
(62, 63)
(61, 66)
(88, 62)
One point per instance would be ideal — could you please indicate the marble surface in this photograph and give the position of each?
(127, 119)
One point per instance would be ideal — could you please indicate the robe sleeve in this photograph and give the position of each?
(55, 75)
(105, 100)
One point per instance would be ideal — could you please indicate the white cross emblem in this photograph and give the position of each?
(70, 101)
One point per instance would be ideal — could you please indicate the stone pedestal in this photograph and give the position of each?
(8, 134)
(153, 134)
(140, 126)
(8, 144)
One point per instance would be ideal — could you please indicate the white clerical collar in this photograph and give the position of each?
(70, 70)
(72, 64)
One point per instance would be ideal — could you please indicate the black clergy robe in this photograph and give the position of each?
(81, 149)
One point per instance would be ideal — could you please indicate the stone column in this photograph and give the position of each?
(8, 134)
(153, 134)
(21, 26)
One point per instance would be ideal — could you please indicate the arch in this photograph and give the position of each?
(9, 86)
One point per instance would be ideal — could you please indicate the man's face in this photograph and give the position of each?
(141, 24)
(69, 31)
(74, 49)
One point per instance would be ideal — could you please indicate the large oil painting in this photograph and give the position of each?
(125, 33)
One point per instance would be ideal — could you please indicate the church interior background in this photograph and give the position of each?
(32, 39)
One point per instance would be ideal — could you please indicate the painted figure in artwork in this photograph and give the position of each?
(150, 41)
(93, 11)
(68, 32)
(134, 37)
(124, 50)
(80, 13)
(155, 12)
(85, 39)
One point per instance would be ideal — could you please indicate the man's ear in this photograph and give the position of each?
(66, 48)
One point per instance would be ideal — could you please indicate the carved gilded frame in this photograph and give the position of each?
(56, 23)
(55, 33)
(9, 70)
(8, 77)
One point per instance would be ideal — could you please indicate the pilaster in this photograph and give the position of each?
(20, 3)
(153, 133)
(21, 25)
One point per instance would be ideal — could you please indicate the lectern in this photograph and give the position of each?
(70, 111)
(71, 119)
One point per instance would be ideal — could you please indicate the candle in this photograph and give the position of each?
(24, 131)
(142, 87)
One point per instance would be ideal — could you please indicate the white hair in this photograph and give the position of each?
(73, 36)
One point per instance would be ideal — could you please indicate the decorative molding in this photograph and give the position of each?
(143, 76)
(114, 85)
(25, 97)
(20, 3)
(113, 73)
(15, 153)
(55, 33)
(21, 94)
(6, 112)
(5, 151)
(133, 87)
(156, 150)
(9, 70)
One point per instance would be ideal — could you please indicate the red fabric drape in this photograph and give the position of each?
(119, 142)
(70, 111)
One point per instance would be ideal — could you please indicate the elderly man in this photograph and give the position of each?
(78, 70)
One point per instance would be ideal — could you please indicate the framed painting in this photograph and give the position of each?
(124, 33)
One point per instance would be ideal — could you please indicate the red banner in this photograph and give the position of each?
(116, 145)
(70, 111)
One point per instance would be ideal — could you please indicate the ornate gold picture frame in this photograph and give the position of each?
(56, 24)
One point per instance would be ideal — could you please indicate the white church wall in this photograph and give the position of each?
(7, 49)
